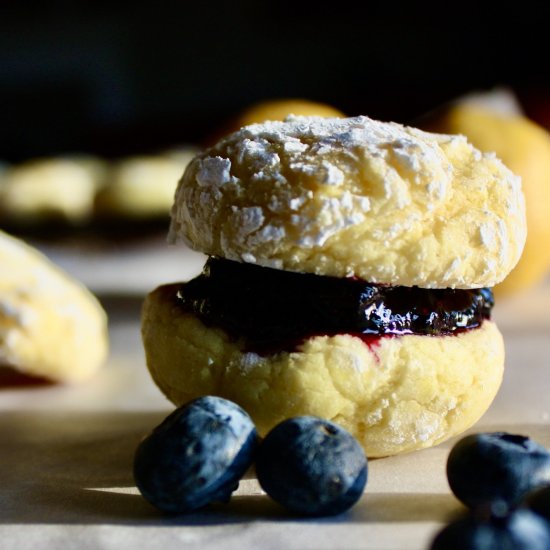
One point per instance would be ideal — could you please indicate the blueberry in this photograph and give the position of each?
(312, 466)
(196, 456)
(521, 530)
(539, 502)
(489, 469)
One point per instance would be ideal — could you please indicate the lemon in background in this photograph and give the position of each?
(274, 109)
(524, 147)
(279, 109)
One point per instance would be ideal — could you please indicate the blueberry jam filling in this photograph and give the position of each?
(273, 309)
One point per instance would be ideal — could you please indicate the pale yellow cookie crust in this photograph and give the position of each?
(50, 325)
(402, 394)
(354, 197)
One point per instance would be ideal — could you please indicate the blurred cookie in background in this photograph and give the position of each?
(57, 190)
(51, 326)
(142, 187)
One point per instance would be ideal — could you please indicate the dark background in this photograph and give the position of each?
(121, 78)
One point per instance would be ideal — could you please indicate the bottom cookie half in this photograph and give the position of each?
(394, 394)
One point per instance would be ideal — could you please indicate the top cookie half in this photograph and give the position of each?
(354, 198)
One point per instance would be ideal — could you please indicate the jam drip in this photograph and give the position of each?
(275, 310)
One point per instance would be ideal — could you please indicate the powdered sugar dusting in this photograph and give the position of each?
(214, 172)
(353, 196)
(294, 145)
(323, 153)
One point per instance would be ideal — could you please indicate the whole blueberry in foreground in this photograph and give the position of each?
(521, 530)
(312, 466)
(196, 456)
(539, 502)
(496, 468)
